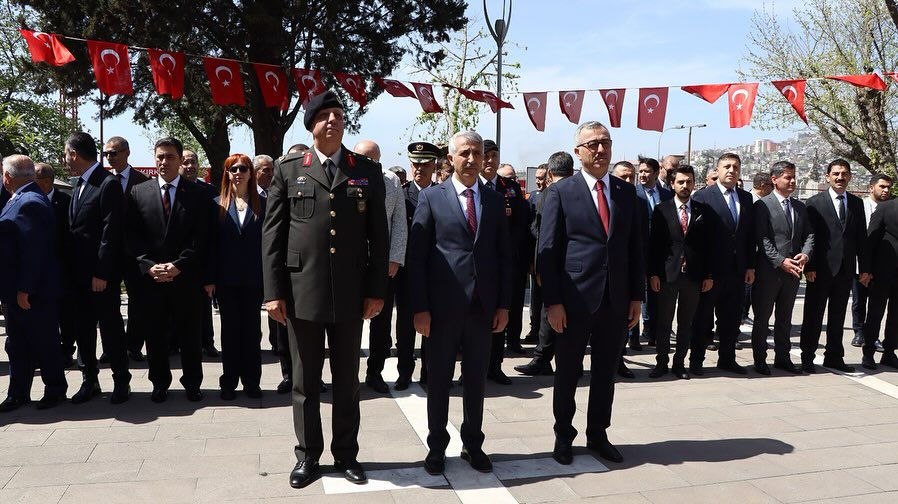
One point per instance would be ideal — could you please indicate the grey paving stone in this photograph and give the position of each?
(425, 495)
(250, 487)
(48, 454)
(541, 490)
(173, 491)
(634, 479)
(142, 450)
(33, 495)
(235, 466)
(207, 431)
(24, 438)
(880, 476)
(6, 473)
(103, 435)
(73, 474)
(818, 485)
(741, 492)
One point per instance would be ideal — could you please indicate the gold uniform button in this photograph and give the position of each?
(333, 232)
(299, 193)
(333, 213)
(333, 250)
(332, 195)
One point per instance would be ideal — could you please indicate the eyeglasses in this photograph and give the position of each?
(236, 168)
(111, 153)
(593, 145)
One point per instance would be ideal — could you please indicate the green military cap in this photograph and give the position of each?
(422, 152)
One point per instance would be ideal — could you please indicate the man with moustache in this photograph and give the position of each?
(880, 188)
(536, 295)
(625, 171)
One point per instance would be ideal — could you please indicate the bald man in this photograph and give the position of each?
(507, 171)
(668, 164)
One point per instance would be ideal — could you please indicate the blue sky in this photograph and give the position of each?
(577, 45)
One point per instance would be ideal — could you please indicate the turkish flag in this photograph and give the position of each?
(273, 84)
(535, 103)
(395, 88)
(168, 72)
(742, 102)
(426, 99)
(308, 83)
(872, 81)
(571, 103)
(112, 67)
(614, 102)
(354, 85)
(652, 108)
(47, 48)
(793, 91)
(493, 101)
(708, 92)
(225, 81)
(471, 95)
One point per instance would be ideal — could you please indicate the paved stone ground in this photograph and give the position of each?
(814, 438)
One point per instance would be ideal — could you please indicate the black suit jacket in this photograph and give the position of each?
(61, 203)
(836, 248)
(734, 246)
(182, 240)
(95, 229)
(236, 257)
(518, 213)
(668, 245)
(882, 261)
(130, 271)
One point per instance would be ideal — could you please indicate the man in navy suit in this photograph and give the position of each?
(459, 267)
(30, 287)
(592, 288)
(733, 265)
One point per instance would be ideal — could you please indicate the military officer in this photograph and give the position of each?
(325, 251)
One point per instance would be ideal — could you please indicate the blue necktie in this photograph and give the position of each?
(651, 197)
(732, 203)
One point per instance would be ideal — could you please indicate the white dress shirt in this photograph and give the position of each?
(126, 174)
(591, 184)
(171, 191)
(679, 203)
(50, 194)
(463, 200)
(833, 195)
(84, 178)
(494, 180)
(241, 214)
(869, 208)
(723, 191)
(419, 187)
(780, 199)
(262, 192)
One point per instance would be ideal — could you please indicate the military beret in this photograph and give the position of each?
(489, 145)
(422, 152)
(317, 103)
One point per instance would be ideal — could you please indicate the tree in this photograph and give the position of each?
(832, 37)
(470, 63)
(366, 37)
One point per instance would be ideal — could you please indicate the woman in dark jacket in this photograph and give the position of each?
(235, 276)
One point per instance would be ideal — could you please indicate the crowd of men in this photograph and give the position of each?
(325, 239)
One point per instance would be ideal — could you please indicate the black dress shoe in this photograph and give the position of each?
(304, 472)
(479, 461)
(531, 339)
(103, 359)
(435, 463)
(535, 368)
(762, 368)
(159, 396)
(194, 394)
(136, 356)
(838, 365)
(680, 372)
(738, 345)
(120, 394)
(253, 392)
(809, 367)
(878, 346)
(228, 395)
(868, 363)
(563, 452)
(323, 388)
(285, 386)
(634, 344)
(623, 371)
(658, 371)
(68, 362)
(889, 359)
(857, 340)
(403, 383)
(495, 375)
(605, 449)
(517, 349)
(787, 365)
(712, 347)
(696, 369)
(12, 403)
(50, 401)
(377, 384)
(651, 342)
(732, 367)
(352, 471)
(211, 351)
(88, 390)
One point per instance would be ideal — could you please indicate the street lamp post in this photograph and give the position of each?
(689, 142)
(499, 33)
(658, 156)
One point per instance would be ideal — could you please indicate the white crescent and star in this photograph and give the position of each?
(168, 57)
(310, 89)
(790, 89)
(224, 82)
(568, 104)
(612, 103)
(739, 92)
(277, 80)
(425, 94)
(539, 104)
(118, 59)
(645, 102)
(45, 39)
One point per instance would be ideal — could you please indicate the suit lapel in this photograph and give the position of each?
(617, 204)
(722, 206)
(343, 168)
(584, 193)
(315, 170)
(448, 190)
(232, 213)
(246, 218)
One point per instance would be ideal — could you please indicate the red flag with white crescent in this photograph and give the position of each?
(426, 99)
(708, 92)
(272, 81)
(535, 103)
(652, 108)
(493, 101)
(168, 72)
(571, 103)
(112, 67)
(308, 83)
(742, 103)
(793, 91)
(614, 102)
(872, 81)
(46, 47)
(354, 85)
(225, 81)
(395, 88)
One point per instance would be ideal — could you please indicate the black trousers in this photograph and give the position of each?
(207, 331)
(859, 296)
(283, 345)
(273, 335)
(138, 312)
(405, 331)
(101, 308)
(883, 293)
(32, 342)
(773, 293)
(307, 351)
(471, 334)
(241, 336)
(724, 300)
(680, 296)
(68, 326)
(536, 303)
(176, 307)
(834, 292)
(604, 331)
(544, 351)
(379, 339)
(516, 309)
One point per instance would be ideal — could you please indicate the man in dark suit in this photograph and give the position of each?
(30, 287)
(116, 151)
(60, 201)
(536, 294)
(733, 227)
(785, 244)
(651, 192)
(837, 219)
(422, 157)
(168, 235)
(880, 275)
(592, 289)
(460, 283)
(324, 254)
(678, 268)
(95, 241)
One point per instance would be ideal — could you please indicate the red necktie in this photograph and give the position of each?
(684, 219)
(470, 212)
(603, 205)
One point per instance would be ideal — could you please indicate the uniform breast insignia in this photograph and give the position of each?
(510, 193)
(300, 180)
(350, 160)
(508, 211)
(362, 206)
(307, 159)
(358, 182)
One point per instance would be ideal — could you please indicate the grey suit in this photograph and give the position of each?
(774, 289)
